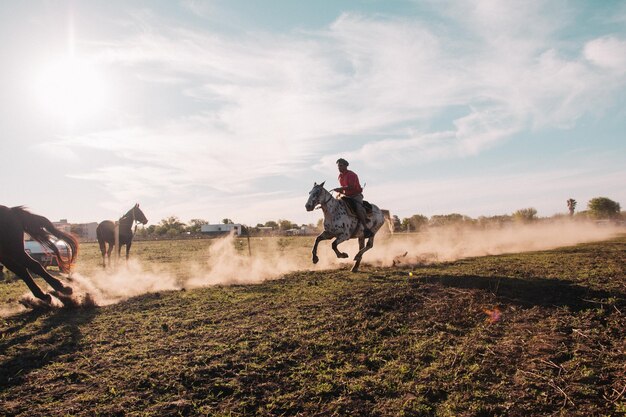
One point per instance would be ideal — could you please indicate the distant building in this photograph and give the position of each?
(63, 226)
(300, 231)
(85, 231)
(221, 229)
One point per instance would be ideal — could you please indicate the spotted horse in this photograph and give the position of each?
(340, 223)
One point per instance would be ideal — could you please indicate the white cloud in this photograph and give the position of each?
(608, 52)
(263, 105)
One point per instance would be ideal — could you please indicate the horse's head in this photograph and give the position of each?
(138, 215)
(315, 196)
(134, 215)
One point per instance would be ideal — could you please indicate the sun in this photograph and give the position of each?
(71, 89)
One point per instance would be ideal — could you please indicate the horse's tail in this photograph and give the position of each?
(387, 216)
(41, 230)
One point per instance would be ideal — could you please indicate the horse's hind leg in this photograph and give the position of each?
(359, 255)
(103, 250)
(109, 253)
(23, 273)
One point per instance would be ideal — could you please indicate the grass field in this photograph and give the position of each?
(523, 334)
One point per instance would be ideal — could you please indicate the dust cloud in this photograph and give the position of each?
(226, 265)
(230, 261)
(445, 244)
(127, 279)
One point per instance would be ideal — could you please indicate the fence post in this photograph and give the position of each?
(116, 233)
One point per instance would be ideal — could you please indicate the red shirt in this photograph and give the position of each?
(351, 181)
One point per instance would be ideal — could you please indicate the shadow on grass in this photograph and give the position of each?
(36, 338)
(533, 292)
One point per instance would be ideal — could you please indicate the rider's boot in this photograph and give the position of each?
(367, 233)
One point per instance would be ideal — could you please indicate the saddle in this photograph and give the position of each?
(351, 206)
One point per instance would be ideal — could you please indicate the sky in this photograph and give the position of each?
(235, 108)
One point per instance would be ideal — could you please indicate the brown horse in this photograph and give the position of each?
(14, 222)
(105, 232)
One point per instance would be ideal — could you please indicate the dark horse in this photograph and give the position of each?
(105, 233)
(13, 223)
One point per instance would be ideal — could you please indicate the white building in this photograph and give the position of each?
(63, 226)
(85, 231)
(219, 229)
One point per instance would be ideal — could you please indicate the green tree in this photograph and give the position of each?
(286, 225)
(448, 219)
(571, 206)
(172, 223)
(603, 208)
(271, 224)
(195, 225)
(172, 232)
(417, 221)
(525, 215)
(397, 224)
(498, 220)
(227, 221)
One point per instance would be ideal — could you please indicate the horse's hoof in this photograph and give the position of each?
(65, 298)
(66, 290)
(315, 259)
(43, 302)
(343, 255)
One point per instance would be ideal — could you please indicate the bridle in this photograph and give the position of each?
(133, 221)
(330, 197)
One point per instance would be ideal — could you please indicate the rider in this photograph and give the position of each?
(351, 188)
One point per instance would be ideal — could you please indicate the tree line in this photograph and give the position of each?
(597, 208)
(172, 226)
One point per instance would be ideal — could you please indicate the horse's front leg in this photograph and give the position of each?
(323, 236)
(119, 252)
(341, 238)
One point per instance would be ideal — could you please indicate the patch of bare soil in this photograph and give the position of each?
(539, 334)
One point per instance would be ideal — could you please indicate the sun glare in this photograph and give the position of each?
(71, 89)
